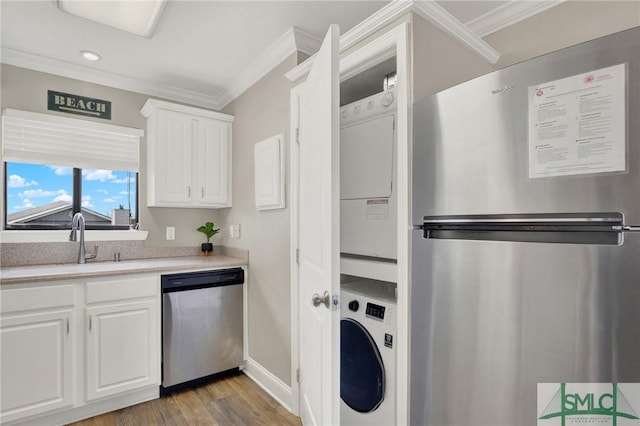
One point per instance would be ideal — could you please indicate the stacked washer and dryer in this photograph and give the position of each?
(368, 243)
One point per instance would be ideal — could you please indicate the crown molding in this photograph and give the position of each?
(306, 42)
(438, 16)
(428, 10)
(289, 43)
(297, 40)
(78, 72)
(384, 16)
(508, 14)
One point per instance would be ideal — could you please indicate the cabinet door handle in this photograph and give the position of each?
(89, 322)
(188, 191)
(67, 326)
(202, 192)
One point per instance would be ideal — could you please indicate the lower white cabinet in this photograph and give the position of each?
(78, 349)
(36, 363)
(38, 340)
(122, 348)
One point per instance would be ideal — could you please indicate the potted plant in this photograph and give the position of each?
(208, 230)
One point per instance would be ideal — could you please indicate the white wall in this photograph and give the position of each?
(262, 112)
(440, 62)
(565, 25)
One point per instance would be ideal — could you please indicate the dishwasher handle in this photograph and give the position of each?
(202, 279)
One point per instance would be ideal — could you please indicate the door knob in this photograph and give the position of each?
(325, 298)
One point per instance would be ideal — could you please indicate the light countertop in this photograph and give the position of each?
(38, 273)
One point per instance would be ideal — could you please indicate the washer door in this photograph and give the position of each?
(362, 379)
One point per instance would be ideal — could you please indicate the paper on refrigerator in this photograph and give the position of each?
(577, 125)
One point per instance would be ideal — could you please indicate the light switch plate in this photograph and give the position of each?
(234, 231)
(171, 232)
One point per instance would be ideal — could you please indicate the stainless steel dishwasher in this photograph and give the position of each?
(202, 326)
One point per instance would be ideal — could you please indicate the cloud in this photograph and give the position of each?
(26, 204)
(124, 192)
(39, 193)
(86, 201)
(62, 171)
(102, 191)
(109, 200)
(64, 197)
(123, 180)
(101, 175)
(17, 181)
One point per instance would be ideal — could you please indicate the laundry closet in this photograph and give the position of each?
(368, 246)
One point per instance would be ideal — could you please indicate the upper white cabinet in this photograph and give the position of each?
(188, 156)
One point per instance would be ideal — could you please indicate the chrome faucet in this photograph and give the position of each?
(78, 225)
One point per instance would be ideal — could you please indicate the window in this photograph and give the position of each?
(57, 166)
(42, 196)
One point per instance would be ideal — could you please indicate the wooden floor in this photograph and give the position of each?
(234, 400)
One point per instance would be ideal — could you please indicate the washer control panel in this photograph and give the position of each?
(375, 311)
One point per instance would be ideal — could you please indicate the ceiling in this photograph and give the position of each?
(202, 52)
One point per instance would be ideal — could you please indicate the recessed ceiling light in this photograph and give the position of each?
(90, 56)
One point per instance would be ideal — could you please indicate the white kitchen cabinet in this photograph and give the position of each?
(214, 178)
(170, 174)
(188, 156)
(75, 350)
(37, 346)
(123, 335)
(121, 348)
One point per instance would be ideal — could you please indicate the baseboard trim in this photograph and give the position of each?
(70, 415)
(275, 387)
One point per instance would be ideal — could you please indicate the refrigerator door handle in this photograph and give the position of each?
(630, 228)
(573, 228)
(613, 218)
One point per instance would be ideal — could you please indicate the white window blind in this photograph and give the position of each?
(29, 137)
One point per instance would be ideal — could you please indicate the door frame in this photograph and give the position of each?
(395, 42)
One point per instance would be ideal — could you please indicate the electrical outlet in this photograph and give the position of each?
(237, 231)
(171, 232)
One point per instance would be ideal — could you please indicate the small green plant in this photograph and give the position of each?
(207, 229)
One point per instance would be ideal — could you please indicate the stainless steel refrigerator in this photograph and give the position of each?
(526, 247)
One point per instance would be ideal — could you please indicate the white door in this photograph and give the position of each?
(319, 237)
